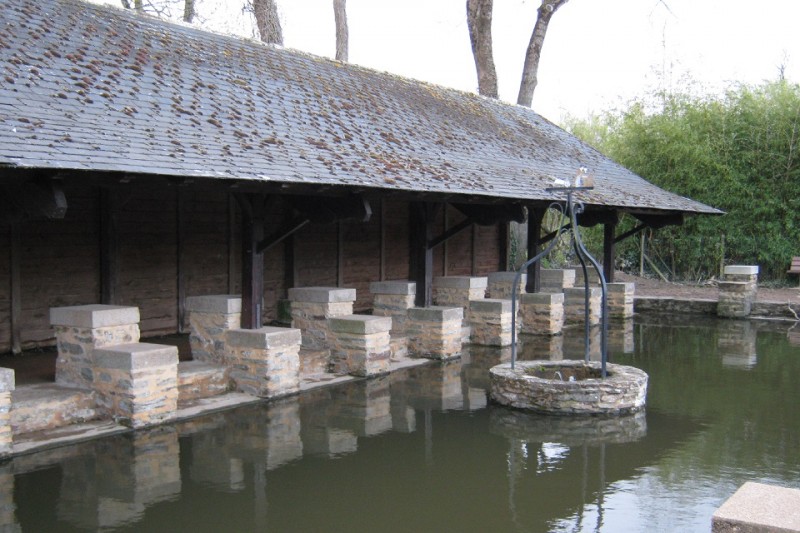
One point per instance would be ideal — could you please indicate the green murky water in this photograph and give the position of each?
(421, 450)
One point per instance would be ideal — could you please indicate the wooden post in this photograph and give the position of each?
(16, 291)
(253, 211)
(231, 240)
(502, 236)
(608, 251)
(420, 253)
(180, 201)
(382, 276)
(108, 246)
(535, 219)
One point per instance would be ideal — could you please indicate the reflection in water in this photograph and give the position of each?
(423, 450)
(736, 343)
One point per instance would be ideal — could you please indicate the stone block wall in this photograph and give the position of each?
(7, 382)
(541, 313)
(490, 322)
(738, 291)
(457, 291)
(210, 318)
(360, 345)
(555, 280)
(620, 299)
(575, 305)
(82, 329)
(264, 362)
(501, 284)
(137, 384)
(394, 299)
(435, 332)
(311, 309)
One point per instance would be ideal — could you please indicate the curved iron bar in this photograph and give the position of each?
(568, 210)
(573, 210)
(586, 325)
(525, 265)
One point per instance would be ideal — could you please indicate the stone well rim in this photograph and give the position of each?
(622, 391)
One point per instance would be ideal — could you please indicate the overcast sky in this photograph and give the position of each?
(597, 54)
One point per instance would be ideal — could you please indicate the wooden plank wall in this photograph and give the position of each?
(60, 259)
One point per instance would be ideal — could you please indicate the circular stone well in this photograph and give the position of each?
(545, 387)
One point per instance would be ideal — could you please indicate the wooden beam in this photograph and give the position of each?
(382, 208)
(231, 246)
(474, 241)
(289, 273)
(503, 233)
(452, 232)
(108, 246)
(630, 232)
(340, 254)
(535, 219)
(609, 252)
(284, 232)
(16, 288)
(180, 201)
(420, 254)
(253, 221)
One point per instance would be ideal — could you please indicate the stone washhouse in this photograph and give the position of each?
(293, 215)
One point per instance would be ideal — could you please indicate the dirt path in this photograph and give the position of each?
(656, 287)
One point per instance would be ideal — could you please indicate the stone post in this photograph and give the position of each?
(394, 299)
(457, 291)
(311, 309)
(435, 332)
(738, 291)
(541, 313)
(620, 300)
(82, 329)
(574, 305)
(490, 322)
(500, 284)
(7, 382)
(137, 384)
(555, 280)
(210, 318)
(360, 345)
(264, 362)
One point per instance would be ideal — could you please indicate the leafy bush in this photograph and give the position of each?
(737, 152)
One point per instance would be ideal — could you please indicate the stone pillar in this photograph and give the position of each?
(264, 362)
(394, 299)
(7, 382)
(541, 313)
(457, 291)
(435, 332)
(82, 329)
(490, 322)
(555, 280)
(137, 384)
(311, 309)
(210, 318)
(594, 278)
(620, 300)
(360, 345)
(738, 291)
(500, 284)
(574, 305)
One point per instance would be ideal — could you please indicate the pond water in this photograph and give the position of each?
(423, 450)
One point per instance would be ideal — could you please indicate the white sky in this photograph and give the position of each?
(597, 54)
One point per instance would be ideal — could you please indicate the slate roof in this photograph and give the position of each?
(87, 87)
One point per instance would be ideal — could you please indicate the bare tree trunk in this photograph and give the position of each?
(126, 4)
(342, 35)
(534, 52)
(479, 22)
(188, 10)
(267, 21)
(138, 5)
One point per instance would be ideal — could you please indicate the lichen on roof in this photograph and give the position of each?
(88, 87)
